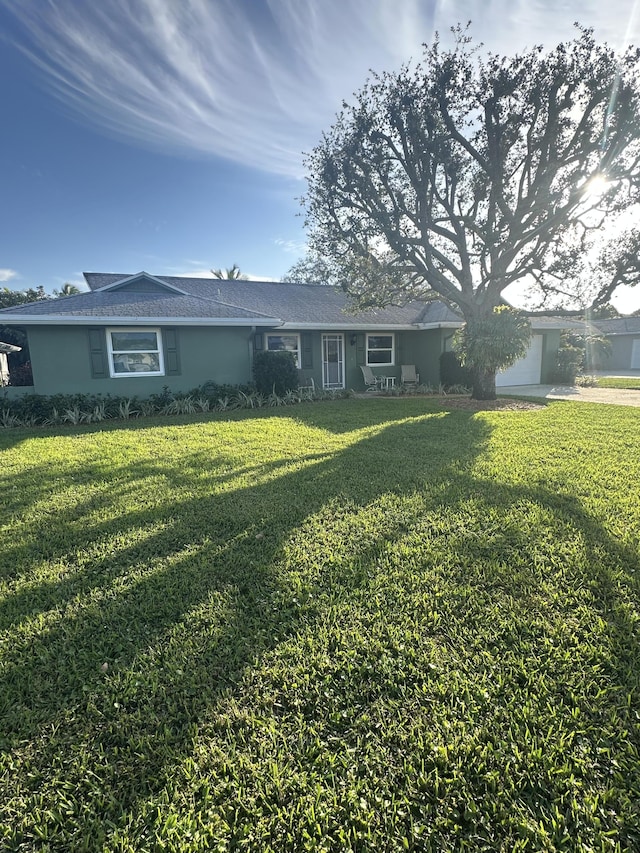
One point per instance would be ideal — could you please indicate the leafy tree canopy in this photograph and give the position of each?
(604, 312)
(309, 268)
(11, 298)
(463, 174)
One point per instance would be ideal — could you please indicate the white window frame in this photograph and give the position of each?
(381, 349)
(295, 354)
(134, 373)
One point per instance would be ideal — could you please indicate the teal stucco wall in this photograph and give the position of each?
(550, 344)
(61, 363)
(421, 348)
(621, 350)
(61, 358)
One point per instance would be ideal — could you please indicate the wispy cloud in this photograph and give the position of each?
(7, 275)
(197, 272)
(256, 81)
(291, 247)
(253, 82)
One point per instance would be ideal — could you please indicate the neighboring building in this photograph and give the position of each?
(624, 336)
(133, 334)
(5, 350)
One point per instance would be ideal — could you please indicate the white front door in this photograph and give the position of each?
(332, 361)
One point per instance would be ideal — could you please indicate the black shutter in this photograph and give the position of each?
(98, 353)
(171, 354)
(307, 351)
(361, 353)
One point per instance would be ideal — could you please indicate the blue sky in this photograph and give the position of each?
(168, 135)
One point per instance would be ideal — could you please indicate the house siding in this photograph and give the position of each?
(621, 350)
(550, 344)
(421, 348)
(64, 360)
(72, 359)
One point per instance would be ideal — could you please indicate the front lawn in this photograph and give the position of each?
(631, 383)
(372, 625)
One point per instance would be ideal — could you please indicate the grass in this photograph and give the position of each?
(631, 383)
(370, 625)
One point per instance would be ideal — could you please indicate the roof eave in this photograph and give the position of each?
(555, 325)
(374, 327)
(447, 324)
(74, 320)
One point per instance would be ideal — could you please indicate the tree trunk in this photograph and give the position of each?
(484, 385)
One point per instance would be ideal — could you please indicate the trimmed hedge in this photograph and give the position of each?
(275, 372)
(452, 372)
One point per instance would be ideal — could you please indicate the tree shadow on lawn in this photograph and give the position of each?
(210, 522)
(179, 617)
(102, 478)
(221, 547)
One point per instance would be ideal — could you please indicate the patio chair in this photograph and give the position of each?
(371, 381)
(408, 375)
(308, 387)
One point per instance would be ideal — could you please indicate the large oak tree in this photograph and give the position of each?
(459, 176)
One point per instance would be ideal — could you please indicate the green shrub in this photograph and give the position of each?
(588, 351)
(452, 372)
(493, 342)
(275, 372)
(40, 410)
(569, 363)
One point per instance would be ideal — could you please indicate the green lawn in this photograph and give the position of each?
(629, 382)
(368, 625)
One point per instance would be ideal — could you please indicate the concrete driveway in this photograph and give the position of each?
(613, 396)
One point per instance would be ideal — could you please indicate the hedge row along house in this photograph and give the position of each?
(131, 335)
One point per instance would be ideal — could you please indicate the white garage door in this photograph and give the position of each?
(528, 370)
(635, 354)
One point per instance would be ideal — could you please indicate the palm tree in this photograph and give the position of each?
(67, 290)
(231, 273)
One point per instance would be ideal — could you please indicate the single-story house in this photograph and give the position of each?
(133, 334)
(624, 337)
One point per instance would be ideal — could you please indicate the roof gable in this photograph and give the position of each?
(141, 282)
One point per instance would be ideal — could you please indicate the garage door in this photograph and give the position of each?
(528, 370)
(635, 354)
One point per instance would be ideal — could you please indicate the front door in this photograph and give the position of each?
(332, 361)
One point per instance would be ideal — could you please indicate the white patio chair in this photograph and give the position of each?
(408, 375)
(308, 388)
(371, 381)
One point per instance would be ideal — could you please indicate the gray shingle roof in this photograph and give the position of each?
(308, 304)
(619, 326)
(205, 299)
(116, 297)
(540, 324)
(137, 306)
